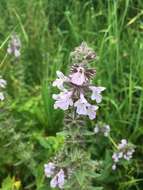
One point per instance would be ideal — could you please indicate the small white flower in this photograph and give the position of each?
(60, 80)
(120, 154)
(124, 141)
(9, 50)
(106, 130)
(130, 151)
(122, 144)
(17, 53)
(78, 77)
(49, 169)
(2, 83)
(63, 100)
(106, 134)
(114, 167)
(103, 129)
(125, 151)
(14, 46)
(81, 105)
(96, 129)
(96, 93)
(115, 157)
(126, 157)
(2, 96)
(91, 111)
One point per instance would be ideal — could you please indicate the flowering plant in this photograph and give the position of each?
(73, 167)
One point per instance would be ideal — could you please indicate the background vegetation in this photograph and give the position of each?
(49, 30)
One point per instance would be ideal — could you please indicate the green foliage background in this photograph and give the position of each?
(49, 30)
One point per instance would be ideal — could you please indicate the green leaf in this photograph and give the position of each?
(88, 133)
(95, 188)
(80, 176)
(93, 174)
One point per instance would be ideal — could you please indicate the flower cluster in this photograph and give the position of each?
(102, 129)
(83, 53)
(2, 86)
(14, 46)
(125, 151)
(76, 86)
(58, 177)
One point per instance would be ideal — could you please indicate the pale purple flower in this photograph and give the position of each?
(122, 144)
(115, 157)
(49, 169)
(54, 182)
(2, 96)
(60, 80)
(96, 93)
(78, 77)
(61, 178)
(91, 111)
(81, 105)
(125, 151)
(84, 108)
(14, 46)
(63, 100)
(58, 180)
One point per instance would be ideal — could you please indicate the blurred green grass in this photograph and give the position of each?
(49, 30)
